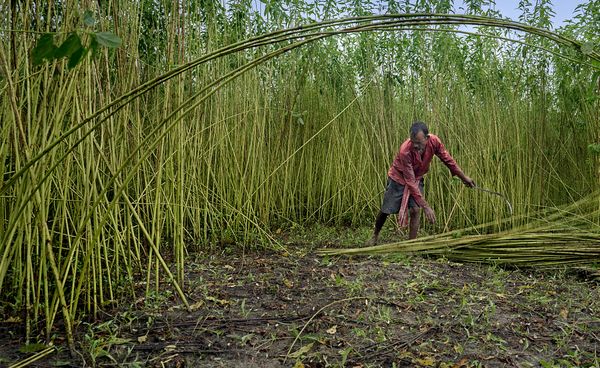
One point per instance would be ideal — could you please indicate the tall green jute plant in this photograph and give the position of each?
(136, 172)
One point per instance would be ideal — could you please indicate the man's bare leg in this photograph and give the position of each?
(379, 221)
(415, 221)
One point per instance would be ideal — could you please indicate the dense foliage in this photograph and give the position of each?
(93, 197)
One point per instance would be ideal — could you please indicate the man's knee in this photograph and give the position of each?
(414, 211)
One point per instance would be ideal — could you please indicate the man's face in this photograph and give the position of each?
(419, 141)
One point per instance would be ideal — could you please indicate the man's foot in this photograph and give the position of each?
(371, 242)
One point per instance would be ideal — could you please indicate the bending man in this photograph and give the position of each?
(404, 192)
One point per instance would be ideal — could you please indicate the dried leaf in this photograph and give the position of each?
(564, 313)
(218, 301)
(299, 364)
(461, 363)
(197, 305)
(303, 350)
(425, 362)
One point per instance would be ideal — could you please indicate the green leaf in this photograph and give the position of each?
(93, 45)
(32, 348)
(76, 57)
(596, 64)
(587, 48)
(88, 18)
(44, 49)
(62, 363)
(108, 39)
(69, 46)
(594, 149)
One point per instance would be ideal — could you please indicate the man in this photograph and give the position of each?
(404, 190)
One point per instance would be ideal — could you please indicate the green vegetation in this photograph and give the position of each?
(136, 133)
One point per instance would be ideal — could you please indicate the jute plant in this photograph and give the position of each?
(117, 172)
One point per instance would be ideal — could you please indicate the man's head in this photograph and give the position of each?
(419, 134)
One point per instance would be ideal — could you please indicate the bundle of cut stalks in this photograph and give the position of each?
(569, 235)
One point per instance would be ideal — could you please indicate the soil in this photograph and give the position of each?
(297, 309)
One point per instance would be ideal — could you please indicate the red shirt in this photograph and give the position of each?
(410, 166)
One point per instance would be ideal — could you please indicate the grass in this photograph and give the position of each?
(433, 311)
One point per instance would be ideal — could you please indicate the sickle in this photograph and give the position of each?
(510, 207)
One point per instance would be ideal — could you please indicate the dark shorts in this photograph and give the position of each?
(392, 199)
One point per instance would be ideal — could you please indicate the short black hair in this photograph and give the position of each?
(418, 126)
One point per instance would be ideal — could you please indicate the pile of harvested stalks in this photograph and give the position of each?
(568, 235)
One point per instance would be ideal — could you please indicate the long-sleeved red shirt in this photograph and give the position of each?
(410, 166)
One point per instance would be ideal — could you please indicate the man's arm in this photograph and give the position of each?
(449, 161)
(412, 184)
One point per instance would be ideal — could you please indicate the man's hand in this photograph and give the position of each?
(429, 214)
(468, 181)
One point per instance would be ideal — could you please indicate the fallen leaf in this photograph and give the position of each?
(458, 348)
(197, 305)
(426, 362)
(405, 355)
(32, 348)
(564, 313)
(303, 350)
(332, 330)
(142, 339)
(215, 300)
(461, 363)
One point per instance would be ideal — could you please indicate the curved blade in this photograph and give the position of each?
(510, 207)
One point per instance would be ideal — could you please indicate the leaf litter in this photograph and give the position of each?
(273, 310)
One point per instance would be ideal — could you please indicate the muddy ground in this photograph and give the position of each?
(295, 309)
